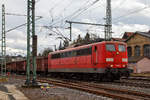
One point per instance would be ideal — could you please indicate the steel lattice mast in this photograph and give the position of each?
(108, 27)
(30, 31)
(34, 43)
(3, 45)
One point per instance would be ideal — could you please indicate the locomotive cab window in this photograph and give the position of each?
(110, 47)
(121, 48)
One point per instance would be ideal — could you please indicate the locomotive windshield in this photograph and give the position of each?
(121, 48)
(110, 47)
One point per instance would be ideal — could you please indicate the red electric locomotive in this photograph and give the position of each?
(107, 59)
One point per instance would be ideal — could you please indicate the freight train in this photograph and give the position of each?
(107, 59)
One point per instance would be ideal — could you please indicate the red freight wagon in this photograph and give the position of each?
(42, 65)
(12, 66)
(108, 58)
(20, 66)
(9, 67)
(46, 64)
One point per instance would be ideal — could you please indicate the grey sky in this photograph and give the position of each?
(127, 15)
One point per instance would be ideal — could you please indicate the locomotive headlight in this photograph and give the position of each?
(109, 59)
(124, 59)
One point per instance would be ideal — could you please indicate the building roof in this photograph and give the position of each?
(146, 34)
(127, 35)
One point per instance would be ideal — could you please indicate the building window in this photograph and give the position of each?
(129, 51)
(137, 51)
(147, 50)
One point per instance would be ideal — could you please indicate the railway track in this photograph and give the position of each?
(146, 79)
(132, 83)
(97, 89)
(100, 89)
(143, 82)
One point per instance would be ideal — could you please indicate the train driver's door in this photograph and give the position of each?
(95, 55)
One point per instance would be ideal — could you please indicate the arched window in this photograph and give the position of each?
(147, 50)
(129, 51)
(137, 51)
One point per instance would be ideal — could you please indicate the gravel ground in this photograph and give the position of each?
(60, 93)
(53, 93)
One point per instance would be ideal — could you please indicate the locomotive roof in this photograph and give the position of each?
(84, 46)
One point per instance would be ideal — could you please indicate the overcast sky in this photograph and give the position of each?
(127, 16)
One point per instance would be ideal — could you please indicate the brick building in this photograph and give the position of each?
(138, 48)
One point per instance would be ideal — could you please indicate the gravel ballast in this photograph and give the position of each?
(61, 93)
(53, 92)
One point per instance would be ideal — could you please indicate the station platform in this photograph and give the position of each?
(10, 92)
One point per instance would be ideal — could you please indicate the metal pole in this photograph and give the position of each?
(3, 47)
(108, 27)
(34, 44)
(33, 50)
(55, 47)
(70, 31)
(28, 42)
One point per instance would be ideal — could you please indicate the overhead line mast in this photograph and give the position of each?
(108, 27)
(31, 31)
(3, 47)
(34, 44)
